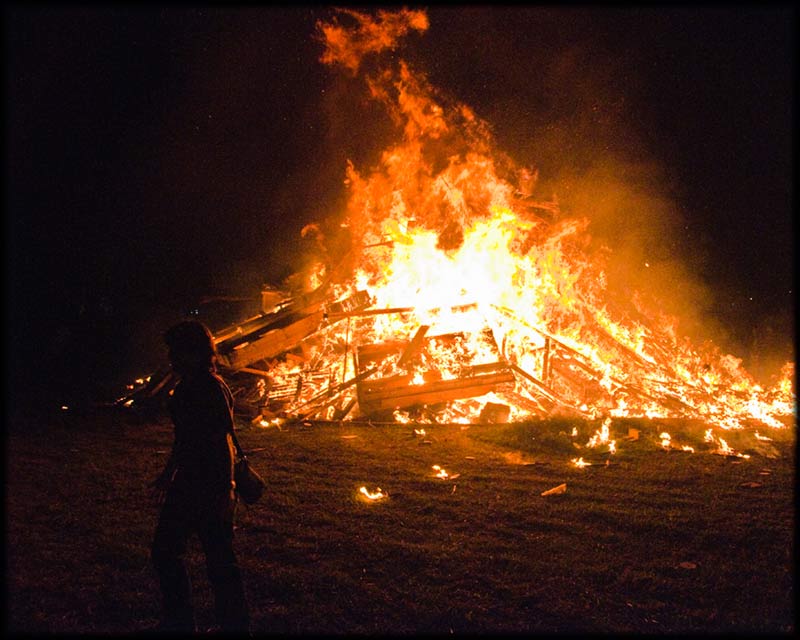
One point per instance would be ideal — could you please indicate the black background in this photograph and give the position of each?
(155, 157)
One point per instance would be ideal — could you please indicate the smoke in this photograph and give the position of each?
(633, 215)
(567, 94)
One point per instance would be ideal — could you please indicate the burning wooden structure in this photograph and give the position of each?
(310, 357)
(465, 297)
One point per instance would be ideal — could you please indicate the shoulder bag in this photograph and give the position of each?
(249, 484)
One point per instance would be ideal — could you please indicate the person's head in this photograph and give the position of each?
(191, 347)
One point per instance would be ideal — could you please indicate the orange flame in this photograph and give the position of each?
(439, 228)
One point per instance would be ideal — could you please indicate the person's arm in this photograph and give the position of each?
(160, 485)
(162, 482)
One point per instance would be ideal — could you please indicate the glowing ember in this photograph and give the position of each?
(271, 422)
(580, 463)
(440, 473)
(562, 488)
(372, 495)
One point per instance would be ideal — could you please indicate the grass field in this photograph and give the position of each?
(644, 540)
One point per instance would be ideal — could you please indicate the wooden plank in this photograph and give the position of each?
(334, 391)
(341, 412)
(375, 312)
(241, 329)
(368, 312)
(537, 406)
(391, 382)
(403, 381)
(571, 375)
(546, 361)
(572, 362)
(414, 346)
(540, 386)
(257, 372)
(272, 343)
(433, 392)
(369, 353)
(343, 308)
(396, 388)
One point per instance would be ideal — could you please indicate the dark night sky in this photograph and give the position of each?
(156, 156)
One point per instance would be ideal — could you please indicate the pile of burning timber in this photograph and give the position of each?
(524, 325)
(296, 331)
(300, 359)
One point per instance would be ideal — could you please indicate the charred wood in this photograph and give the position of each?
(391, 394)
(271, 343)
(414, 347)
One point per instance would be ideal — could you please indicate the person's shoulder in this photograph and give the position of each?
(207, 379)
(203, 382)
(214, 385)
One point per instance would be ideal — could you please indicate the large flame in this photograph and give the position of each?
(445, 231)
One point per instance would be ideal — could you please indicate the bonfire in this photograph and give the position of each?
(461, 296)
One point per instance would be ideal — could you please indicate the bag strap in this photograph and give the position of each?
(236, 444)
(232, 430)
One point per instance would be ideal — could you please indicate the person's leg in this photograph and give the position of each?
(167, 553)
(216, 536)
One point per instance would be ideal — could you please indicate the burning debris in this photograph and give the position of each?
(316, 357)
(723, 448)
(666, 444)
(372, 496)
(461, 297)
(557, 490)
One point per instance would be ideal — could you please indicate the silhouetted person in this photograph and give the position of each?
(196, 488)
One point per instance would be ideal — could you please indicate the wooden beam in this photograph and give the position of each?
(545, 390)
(257, 372)
(375, 312)
(538, 406)
(369, 353)
(272, 343)
(331, 392)
(383, 397)
(413, 347)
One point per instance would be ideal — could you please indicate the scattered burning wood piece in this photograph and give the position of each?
(557, 490)
(371, 496)
(750, 485)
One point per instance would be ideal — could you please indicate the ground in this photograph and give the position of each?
(643, 540)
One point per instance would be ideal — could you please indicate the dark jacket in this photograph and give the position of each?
(201, 407)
